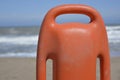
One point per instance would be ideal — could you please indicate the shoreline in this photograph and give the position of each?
(25, 68)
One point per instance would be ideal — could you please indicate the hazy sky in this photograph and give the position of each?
(31, 12)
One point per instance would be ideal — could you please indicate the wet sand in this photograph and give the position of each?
(25, 69)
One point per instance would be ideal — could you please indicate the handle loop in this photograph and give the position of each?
(72, 9)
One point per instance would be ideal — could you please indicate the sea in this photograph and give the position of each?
(22, 41)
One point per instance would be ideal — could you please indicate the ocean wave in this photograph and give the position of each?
(113, 36)
(18, 55)
(113, 33)
(113, 27)
(25, 40)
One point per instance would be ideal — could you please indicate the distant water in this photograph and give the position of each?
(22, 41)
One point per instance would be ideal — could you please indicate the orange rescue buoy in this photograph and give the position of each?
(73, 47)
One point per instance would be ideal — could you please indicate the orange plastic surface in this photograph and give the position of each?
(73, 47)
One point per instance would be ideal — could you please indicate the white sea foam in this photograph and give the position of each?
(24, 40)
(113, 34)
(18, 55)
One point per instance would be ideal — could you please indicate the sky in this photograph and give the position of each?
(32, 12)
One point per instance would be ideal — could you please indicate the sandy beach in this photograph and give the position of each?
(24, 69)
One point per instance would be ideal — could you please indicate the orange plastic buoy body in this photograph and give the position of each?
(73, 47)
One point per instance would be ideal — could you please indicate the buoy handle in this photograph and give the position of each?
(72, 9)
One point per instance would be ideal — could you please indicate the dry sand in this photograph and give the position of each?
(24, 69)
